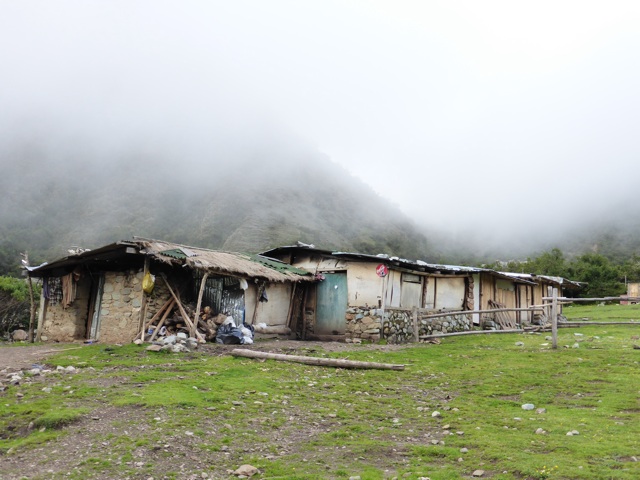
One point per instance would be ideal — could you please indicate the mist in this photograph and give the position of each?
(502, 127)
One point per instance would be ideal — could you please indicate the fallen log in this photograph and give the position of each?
(322, 362)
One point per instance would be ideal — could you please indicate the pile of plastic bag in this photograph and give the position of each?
(230, 334)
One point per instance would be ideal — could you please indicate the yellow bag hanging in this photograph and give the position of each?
(148, 282)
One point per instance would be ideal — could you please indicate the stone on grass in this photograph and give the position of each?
(436, 414)
(154, 348)
(246, 470)
(540, 431)
(519, 344)
(528, 406)
(477, 473)
(541, 410)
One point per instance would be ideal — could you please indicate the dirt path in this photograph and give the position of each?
(20, 357)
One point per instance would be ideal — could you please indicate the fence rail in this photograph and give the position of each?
(550, 308)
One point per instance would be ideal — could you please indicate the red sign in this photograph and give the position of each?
(382, 270)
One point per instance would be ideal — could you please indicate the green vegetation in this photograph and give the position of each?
(602, 276)
(211, 413)
(15, 304)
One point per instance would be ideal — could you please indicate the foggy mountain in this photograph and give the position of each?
(238, 199)
(60, 192)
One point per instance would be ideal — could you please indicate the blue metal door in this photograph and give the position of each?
(331, 305)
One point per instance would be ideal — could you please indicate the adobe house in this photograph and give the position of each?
(375, 297)
(97, 295)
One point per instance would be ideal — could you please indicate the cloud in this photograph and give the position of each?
(483, 115)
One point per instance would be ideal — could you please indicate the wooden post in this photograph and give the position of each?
(192, 328)
(305, 297)
(143, 307)
(203, 284)
(416, 328)
(32, 311)
(162, 320)
(291, 299)
(42, 315)
(167, 305)
(548, 302)
(554, 318)
(32, 304)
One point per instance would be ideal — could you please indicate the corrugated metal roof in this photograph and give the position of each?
(418, 265)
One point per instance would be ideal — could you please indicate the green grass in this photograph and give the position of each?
(298, 421)
(609, 312)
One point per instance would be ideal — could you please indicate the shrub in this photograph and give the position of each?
(15, 304)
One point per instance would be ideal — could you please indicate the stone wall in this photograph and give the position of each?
(120, 306)
(396, 325)
(363, 323)
(122, 300)
(449, 324)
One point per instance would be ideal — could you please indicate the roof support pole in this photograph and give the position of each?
(143, 307)
(203, 284)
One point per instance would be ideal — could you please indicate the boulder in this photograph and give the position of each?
(19, 336)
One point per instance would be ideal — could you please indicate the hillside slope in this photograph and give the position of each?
(241, 203)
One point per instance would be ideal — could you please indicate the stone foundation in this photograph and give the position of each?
(396, 325)
(363, 323)
(449, 324)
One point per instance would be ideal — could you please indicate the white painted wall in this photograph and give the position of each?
(274, 312)
(364, 285)
(450, 292)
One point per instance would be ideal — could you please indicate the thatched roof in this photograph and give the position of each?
(126, 254)
(225, 263)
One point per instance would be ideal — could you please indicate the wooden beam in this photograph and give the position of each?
(162, 320)
(322, 362)
(192, 327)
(203, 284)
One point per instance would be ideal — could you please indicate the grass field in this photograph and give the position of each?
(128, 413)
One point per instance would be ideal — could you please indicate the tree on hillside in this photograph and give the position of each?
(602, 277)
(548, 263)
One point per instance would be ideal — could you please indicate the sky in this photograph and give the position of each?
(482, 115)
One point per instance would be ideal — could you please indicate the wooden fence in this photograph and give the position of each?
(550, 308)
